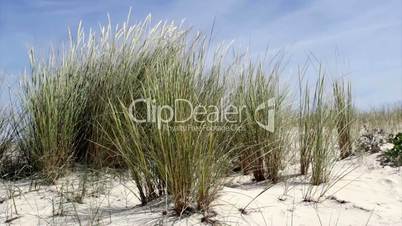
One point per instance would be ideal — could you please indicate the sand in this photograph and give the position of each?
(371, 194)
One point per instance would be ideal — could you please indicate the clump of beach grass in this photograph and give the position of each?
(50, 112)
(316, 126)
(323, 126)
(306, 132)
(345, 116)
(187, 162)
(64, 107)
(263, 101)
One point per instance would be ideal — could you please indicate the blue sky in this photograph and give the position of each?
(361, 39)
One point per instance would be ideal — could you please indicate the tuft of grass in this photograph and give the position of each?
(323, 125)
(345, 116)
(183, 160)
(305, 124)
(263, 150)
(50, 113)
(65, 101)
(316, 124)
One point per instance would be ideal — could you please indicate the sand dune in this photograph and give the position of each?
(370, 195)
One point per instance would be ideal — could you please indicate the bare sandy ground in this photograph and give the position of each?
(371, 194)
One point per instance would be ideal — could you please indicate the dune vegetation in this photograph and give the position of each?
(76, 109)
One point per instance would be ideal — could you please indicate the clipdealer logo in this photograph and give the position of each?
(230, 114)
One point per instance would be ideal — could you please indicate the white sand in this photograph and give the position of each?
(369, 195)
